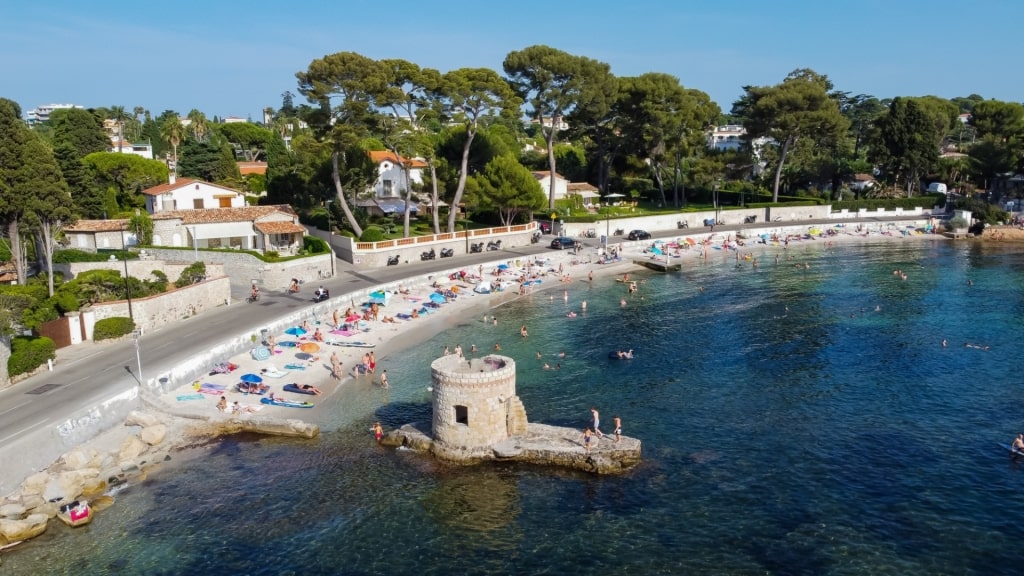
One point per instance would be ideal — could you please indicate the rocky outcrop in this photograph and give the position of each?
(84, 472)
(17, 530)
(540, 444)
(271, 426)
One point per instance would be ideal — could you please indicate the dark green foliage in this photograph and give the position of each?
(194, 272)
(372, 234)
(207, 161)
(141, 225)
(314, 245)
(112, 328)
(981, 210)
(29, 353)
(80, 129)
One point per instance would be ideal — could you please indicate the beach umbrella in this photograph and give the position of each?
(437, 298)
(502, 266)
(251, 379)
(309, 347)
(261, 353)
(295, 331)
(690, 241)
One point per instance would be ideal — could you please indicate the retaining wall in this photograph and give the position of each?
(244, 268)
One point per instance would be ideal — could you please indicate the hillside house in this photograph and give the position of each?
(189, 194)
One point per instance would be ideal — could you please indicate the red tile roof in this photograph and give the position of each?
(580, 187)
(252, 168)
(98, 226)
(219, 215)
(182, 183)
(280, 227)
(379, 156)
(541, 174)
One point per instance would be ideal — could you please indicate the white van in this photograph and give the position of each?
(937, 187)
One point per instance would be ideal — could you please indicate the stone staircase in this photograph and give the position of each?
(515, 416)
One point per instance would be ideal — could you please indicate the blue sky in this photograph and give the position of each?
(235, 58)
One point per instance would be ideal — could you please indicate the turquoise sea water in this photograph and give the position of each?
(789, 427)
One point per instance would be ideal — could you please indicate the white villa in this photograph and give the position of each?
(728, 137)
(561, 183)
(189, 194)
(391, 179)
(260, 228)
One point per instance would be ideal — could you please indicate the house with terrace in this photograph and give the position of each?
(259, 228)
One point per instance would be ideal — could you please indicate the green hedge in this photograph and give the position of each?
(194, 272)
(372, 234)
(112, 328)
(29, 353)
(72, 255)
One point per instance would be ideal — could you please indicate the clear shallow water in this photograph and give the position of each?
(788, 428)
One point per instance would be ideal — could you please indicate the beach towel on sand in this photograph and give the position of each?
(343, 332)
(295, 366)
(184, 397)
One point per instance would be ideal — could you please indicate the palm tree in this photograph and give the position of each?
(197, 120)
(172, 131)
(119, 114)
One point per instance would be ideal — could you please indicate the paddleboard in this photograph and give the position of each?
(1011, 450)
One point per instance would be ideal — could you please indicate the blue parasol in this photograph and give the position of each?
(295, 331)
(438, 298)
(261, 353)
(251, 379)
(502, 266)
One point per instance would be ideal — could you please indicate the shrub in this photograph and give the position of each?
(194, 272)
(112, 328)
(314, 245)
(29, 353)
(955, 223)
(372, 234)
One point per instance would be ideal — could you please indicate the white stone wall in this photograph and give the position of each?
(484, 391)
(243, 268)
(155, 311)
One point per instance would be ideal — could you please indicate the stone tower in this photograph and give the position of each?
(475, 405)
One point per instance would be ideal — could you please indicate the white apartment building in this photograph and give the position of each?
(42, 113)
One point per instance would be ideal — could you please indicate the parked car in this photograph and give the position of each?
(563, 242)
(639, 235)
(545, 226)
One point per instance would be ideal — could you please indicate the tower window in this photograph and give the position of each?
(462, 415)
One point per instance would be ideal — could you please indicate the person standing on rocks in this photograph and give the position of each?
(586, 439)
(597, 422)
(618, 428)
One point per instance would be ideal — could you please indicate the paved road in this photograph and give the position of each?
(87, 373)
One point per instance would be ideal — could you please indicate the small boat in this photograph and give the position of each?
(75, 514)
(293, 387)
(286, 403)
(354, 344)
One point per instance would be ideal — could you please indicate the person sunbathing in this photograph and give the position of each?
(318, 335)
(308, 387)
(388, 319)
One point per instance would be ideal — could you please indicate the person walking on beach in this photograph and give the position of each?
(586, 439)
(618, 428)
(597, 422)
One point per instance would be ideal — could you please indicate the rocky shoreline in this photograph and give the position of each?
(123, 457)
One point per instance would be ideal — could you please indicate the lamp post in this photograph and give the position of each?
(127, 285)
(138, 356)
(195, 244)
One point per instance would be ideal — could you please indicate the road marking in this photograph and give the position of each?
(23, 431)
(13, 409)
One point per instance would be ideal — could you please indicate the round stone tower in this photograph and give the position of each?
(475, 405)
